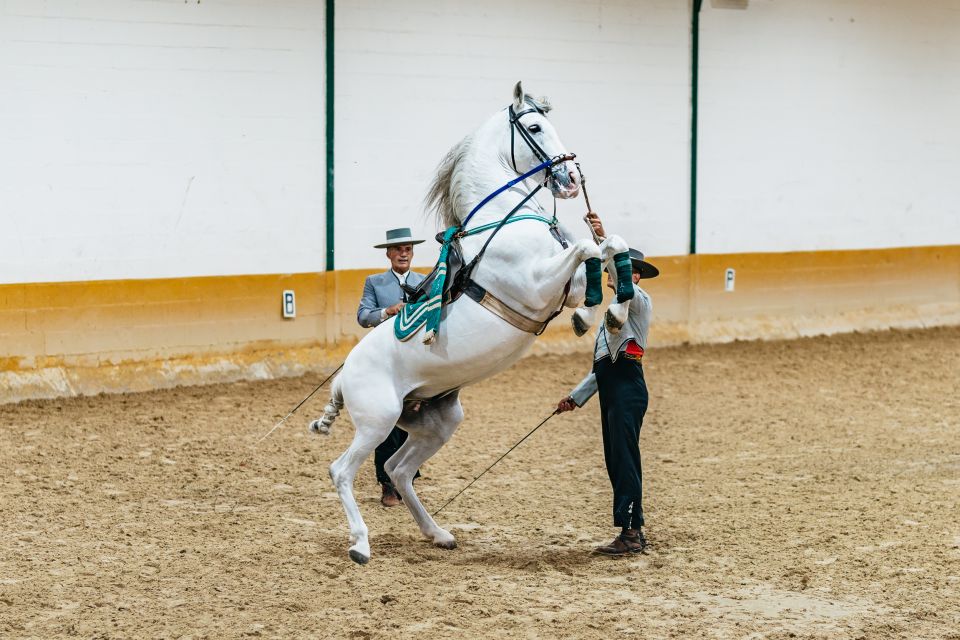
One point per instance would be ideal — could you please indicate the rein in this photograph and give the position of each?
(537, 169)
(493, 225)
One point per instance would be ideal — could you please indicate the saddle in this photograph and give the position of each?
(451, 278)
(451, 290)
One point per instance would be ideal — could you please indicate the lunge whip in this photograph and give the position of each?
(555, 412)
(294, 410)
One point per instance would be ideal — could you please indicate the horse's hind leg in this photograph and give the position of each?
(371, 431)
(428, 430)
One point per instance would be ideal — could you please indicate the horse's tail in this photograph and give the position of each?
(331, 411)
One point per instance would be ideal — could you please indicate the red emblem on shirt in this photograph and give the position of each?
(633, 350)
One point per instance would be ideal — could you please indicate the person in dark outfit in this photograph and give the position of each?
(383, 297)
(618, 376)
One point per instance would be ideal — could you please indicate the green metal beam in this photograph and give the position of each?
(329, 122)
(694, 82)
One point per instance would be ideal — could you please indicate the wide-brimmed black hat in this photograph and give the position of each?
(646, 269)
(396, 237)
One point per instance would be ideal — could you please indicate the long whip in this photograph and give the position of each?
(555, 412)
(586, 198)
(593, 232)
(294, 410)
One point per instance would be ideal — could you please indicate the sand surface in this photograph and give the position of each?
(806, 489)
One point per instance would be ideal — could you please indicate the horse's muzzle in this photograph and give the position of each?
(565, 180)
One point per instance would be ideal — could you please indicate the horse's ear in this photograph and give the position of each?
(518, 97)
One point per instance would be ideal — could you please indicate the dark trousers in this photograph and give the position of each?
(623, 401)
(386, 449)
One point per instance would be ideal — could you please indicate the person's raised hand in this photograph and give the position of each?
(594, 220)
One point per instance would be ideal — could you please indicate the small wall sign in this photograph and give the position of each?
(289, 304)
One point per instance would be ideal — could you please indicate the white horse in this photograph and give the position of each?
(386, 382)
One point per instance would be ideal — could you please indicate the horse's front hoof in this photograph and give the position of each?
(580, 325)
(358, 557)
(613, 324)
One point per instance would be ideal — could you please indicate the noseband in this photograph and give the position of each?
(541, 155)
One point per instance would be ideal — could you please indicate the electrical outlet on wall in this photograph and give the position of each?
(289, 304)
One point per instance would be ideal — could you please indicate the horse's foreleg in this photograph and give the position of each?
(553, 273)
(618, 310)
(428, 430)
(583, 317)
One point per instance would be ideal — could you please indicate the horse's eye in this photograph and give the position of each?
(534, 128)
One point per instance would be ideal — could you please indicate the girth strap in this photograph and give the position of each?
(505, 312)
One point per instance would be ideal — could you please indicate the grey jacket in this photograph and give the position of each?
(380, 291)
(636, 327)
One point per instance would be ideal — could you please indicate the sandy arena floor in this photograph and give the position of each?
(805, 489)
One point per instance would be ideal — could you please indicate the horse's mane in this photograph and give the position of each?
(443, 199)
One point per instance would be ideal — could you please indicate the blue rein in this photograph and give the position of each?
(540, 167)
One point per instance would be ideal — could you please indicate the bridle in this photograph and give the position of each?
(463, 281)
(546, 162)
(518, 129)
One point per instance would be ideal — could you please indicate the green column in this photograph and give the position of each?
(694, 80)
(329, 24)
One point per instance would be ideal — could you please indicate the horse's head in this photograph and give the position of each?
(533, 140)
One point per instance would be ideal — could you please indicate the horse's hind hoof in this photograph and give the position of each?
(358, 557)
(445, 540)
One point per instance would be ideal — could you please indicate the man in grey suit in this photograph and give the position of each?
(383, 297)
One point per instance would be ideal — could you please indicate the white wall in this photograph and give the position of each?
(829, 125)
(413, 78)
(149, 139)
(143, 139)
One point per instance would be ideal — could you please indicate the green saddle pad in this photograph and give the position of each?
(426, 312)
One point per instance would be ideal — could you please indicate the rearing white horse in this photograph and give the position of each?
(386, 382)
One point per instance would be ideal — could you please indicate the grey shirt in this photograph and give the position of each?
(636, 327)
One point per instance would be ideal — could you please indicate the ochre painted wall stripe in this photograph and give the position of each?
(86, 337)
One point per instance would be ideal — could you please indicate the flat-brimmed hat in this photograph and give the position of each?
(398, 236)
(646, 269)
